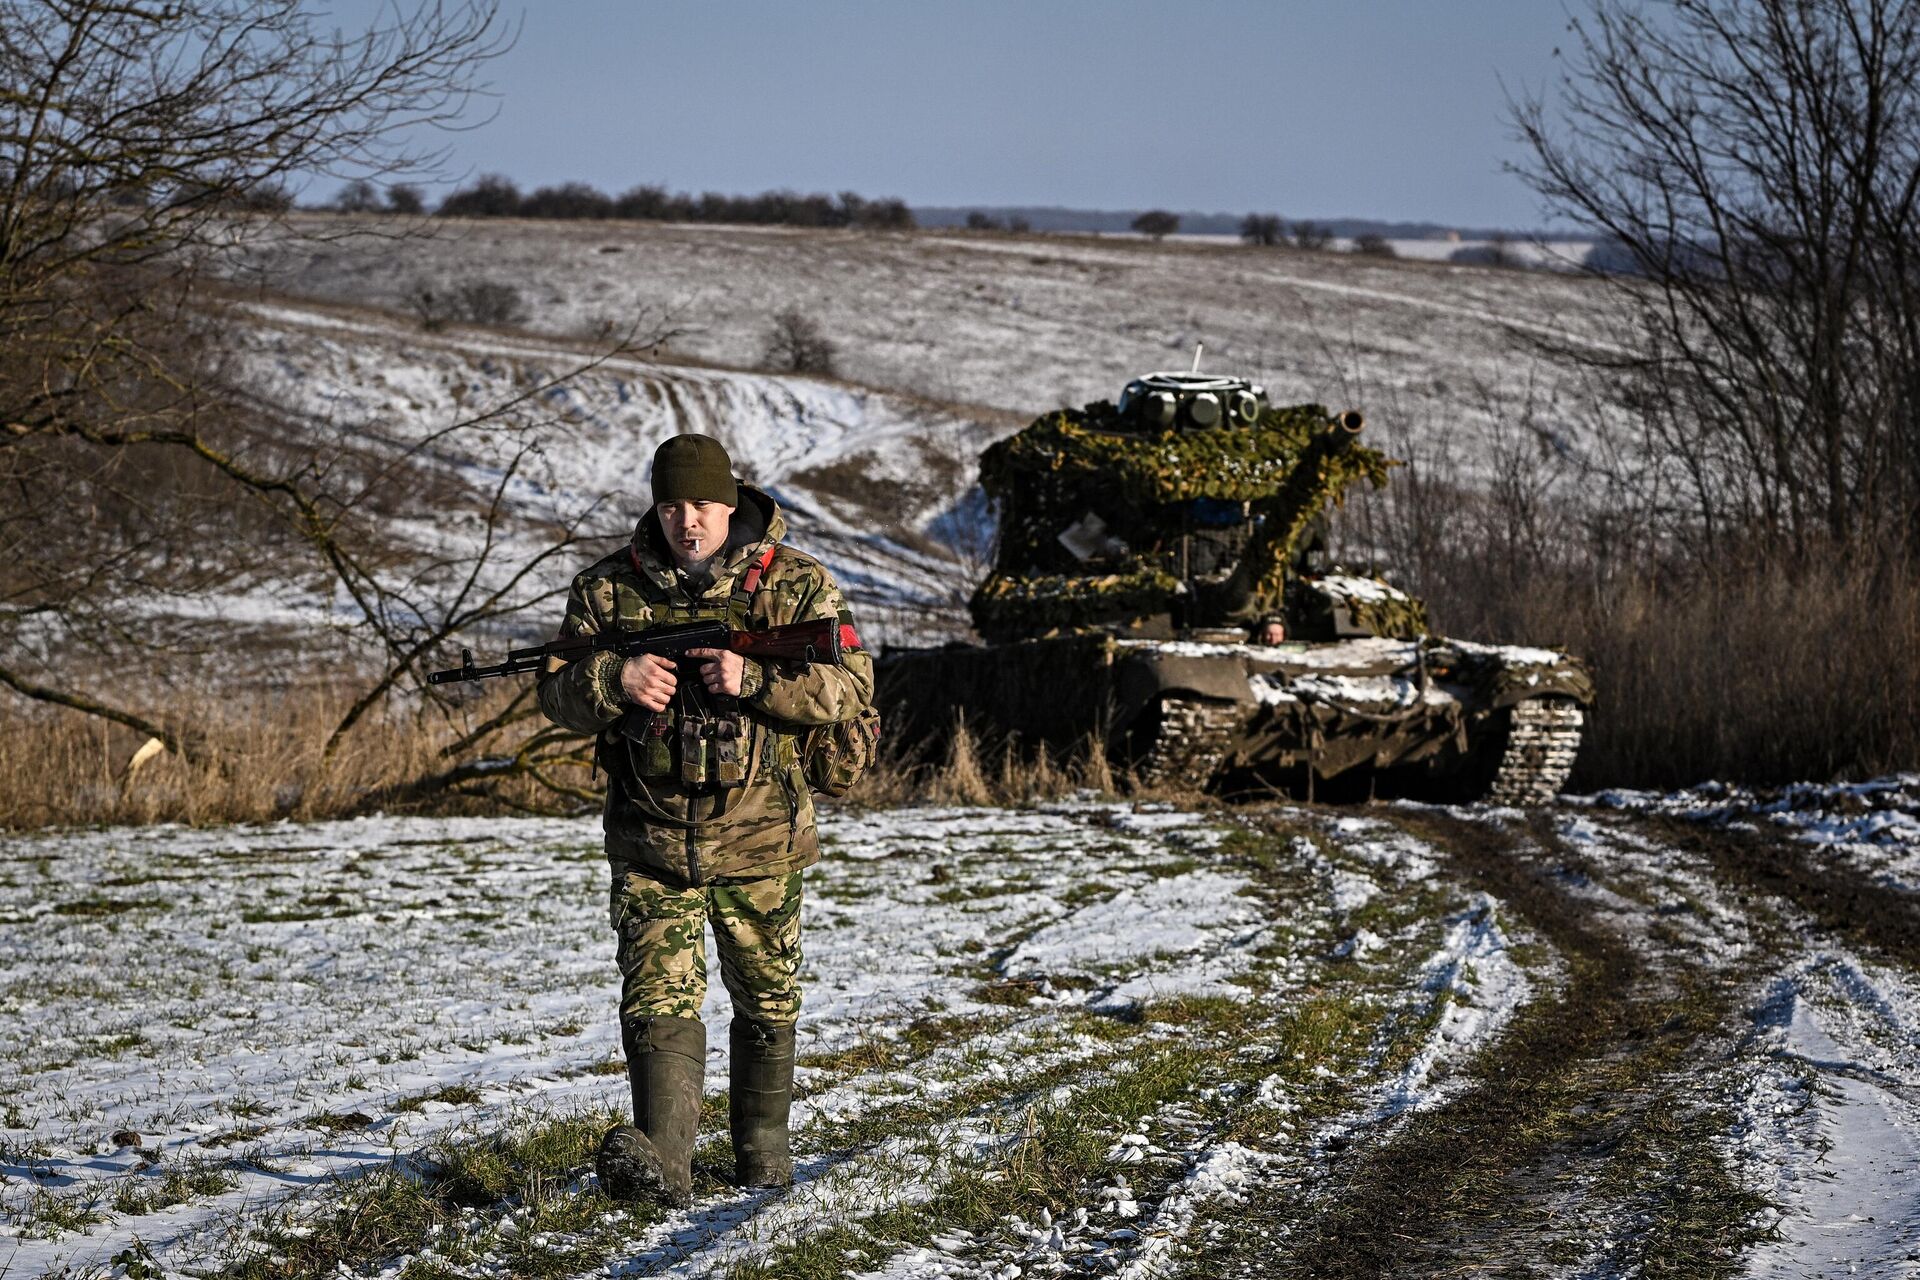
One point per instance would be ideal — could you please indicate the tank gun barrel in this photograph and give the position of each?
(1351, 422)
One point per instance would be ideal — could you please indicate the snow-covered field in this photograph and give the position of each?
(1019, 324)
(1084, 1037)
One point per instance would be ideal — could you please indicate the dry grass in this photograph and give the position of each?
(1731, 656)
(1765, 676)
(965, 771)
(259, 760)
(252, 759)
(1760, 671)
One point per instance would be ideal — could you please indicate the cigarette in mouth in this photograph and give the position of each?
(695, 542)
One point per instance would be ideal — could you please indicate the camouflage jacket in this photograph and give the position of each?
(655, 822)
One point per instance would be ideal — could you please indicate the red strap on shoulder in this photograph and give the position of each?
(748, 584)
(751, 582)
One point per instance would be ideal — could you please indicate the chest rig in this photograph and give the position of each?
(702, 739)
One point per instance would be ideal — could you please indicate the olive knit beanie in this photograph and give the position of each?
(693, 467)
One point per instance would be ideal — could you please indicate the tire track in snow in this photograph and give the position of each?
(1590, 1067)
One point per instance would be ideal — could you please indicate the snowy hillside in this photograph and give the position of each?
(870, 482)
(1017, 323)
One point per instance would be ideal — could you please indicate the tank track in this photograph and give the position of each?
(1543, 736)
(1191, 744)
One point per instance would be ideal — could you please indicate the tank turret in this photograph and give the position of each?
(1181, 507)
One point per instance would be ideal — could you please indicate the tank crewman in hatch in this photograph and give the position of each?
(704, 821)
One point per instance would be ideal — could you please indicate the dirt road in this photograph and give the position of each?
(1722, 1077)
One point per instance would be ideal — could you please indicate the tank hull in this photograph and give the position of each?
(1448, 719)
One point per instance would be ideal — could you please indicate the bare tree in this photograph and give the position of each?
(1157, 223)
(1312, 236)
(494, 196)
(138, 143)
(405, 198)
(1373, 245)
(358, 196)
(568, 200)
(1263, 230)
(1758, 164)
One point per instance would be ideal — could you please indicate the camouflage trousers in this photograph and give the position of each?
(662, 949)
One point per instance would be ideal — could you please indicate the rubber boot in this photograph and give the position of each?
(652, 1159)
(759, 1098)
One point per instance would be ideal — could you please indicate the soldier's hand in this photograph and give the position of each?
(720, 670)
(648, 680)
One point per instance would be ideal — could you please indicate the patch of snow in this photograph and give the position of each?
(1512, 654)
(1873, 825)
(1202, 925)
(1835, 1141)
(1363, 943)
(1212, 1187)
(1481, 987)
(294, 972)
(1377, 694)
(1369, 589)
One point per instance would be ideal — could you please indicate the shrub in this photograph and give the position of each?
(568, 200)
(491, 302)
(430, 306)
(978, 221)
(1373, 245)
(887, 215)
(796, 345)
(476, 302)
(643, 202)
(1497, 252)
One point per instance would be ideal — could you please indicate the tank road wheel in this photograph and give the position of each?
(1189, 742)
(1543, 736)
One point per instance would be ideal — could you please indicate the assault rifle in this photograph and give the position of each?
(816, 641)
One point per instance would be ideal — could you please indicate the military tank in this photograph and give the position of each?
(1146, 551)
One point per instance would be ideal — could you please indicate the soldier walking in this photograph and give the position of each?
(708, 814)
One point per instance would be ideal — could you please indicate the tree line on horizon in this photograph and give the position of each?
(498, 196)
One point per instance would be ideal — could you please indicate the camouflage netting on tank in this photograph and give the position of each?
(1095, 447)
(1067, 602)
(1372, 607)
(1403, 619)
(1288, 468)
(1507, 683)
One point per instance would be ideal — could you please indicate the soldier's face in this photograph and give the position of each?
(695, 529)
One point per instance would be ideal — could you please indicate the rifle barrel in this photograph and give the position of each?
(815, 641)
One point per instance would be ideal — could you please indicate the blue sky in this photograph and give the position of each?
(1309, 108)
